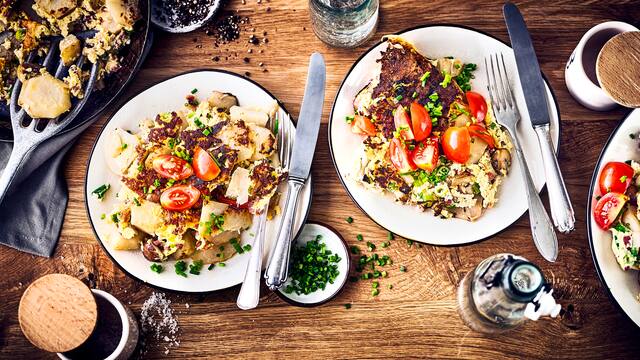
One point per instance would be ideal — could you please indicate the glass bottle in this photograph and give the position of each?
(502, 292)
(344, 23)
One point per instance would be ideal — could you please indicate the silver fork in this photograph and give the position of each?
(29, 133)
(508, 115)
(249, 295)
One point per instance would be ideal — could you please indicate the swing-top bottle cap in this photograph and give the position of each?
(522, 281)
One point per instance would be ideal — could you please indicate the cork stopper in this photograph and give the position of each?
(618, 68)
(57, 313)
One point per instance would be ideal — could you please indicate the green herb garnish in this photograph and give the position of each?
(101, 191)
(236, 245)
(195, 267)
(313, 266)
(359, 237)
(180, 268)
(157, 268)
(349, 220)
(194, 91)
(465, 76)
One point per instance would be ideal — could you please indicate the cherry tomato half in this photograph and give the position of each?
(456, 144)
(608, 208)
(179, 197)
(400, 156)
(172, 167)
(204, 166)
(477, 105)
(481, 132)
(401, 121)
(615, 177)
(426, 154)
(363, 126)
(420, 121)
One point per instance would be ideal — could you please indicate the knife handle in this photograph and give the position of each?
(278, 267)
(561, 209)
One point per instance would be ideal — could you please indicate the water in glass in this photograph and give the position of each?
(344, 23)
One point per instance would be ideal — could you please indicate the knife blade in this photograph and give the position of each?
(528, 67)
(309, 119)
(301, 157)
(535, 95)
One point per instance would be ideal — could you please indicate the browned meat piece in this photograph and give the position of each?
(402, 68)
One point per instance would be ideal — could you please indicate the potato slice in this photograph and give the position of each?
(147, 217)
(248, 115)
(239, 186)
(123, 12)
(263, 141)
(215, 255)
(44, 96)
(120, 150)
(56, 8)
(69, 49)
(208, 209)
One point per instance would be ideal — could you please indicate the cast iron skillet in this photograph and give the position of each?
(132, 57)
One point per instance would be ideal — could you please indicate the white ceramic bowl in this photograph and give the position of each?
(621, 285)
(337, 245)
(470, 46)
(165, 96)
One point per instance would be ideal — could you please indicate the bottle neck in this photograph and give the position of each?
(522, 281)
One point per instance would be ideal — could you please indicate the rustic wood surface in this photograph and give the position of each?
(417, 318)
(621, 85)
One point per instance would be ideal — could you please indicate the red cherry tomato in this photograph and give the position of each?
(172, 167)
(204, 166)
(400, 157)
(401, 120)
(420, 121)
(608, 208)
(481, 132)
(456, 144)
(363, 126)
(426, 154)
(615, 177)
(477, 105)
(179, 198)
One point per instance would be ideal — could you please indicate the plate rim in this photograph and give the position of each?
(588, 217)
(95, 143)
(370, 49)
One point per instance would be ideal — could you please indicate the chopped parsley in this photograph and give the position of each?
(157, 268)
(180, 268)
(101, 191)
(195, 267)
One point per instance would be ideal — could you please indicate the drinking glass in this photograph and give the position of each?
(344, 23)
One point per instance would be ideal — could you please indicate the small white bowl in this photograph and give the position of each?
(585, 90)
(130, 331)
(336, 243)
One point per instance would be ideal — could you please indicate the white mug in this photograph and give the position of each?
(580, 72)
(130, 331)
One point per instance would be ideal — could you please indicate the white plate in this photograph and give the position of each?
(337, 245)
(169, 95)
(408, 221)
(622, 286)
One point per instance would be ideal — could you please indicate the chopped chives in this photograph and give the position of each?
(350, 220)
(398, 98)
(390, 235)
(194, 91)
(359, 237)
(157, 268)
(211, 266)
(403, 268)
(375, 292)
(347, 306)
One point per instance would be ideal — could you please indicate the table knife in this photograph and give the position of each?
(537, 104)
(300, 166)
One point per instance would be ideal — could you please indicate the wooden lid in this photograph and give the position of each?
(618, 68)
(57, 313)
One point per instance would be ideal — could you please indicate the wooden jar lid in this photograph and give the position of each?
(57, 313)
(618, 68)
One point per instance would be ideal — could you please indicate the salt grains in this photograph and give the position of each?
(159, 323)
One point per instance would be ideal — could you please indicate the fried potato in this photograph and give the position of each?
(44, 96)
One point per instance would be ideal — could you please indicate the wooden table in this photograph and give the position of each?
(417, 318)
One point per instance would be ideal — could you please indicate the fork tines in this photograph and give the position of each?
(499, 86)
